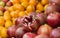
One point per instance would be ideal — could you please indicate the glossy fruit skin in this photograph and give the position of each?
(55, 33)
(9, 3)
(29, 35)
(53, 19)
(51, 8)
(11, 31)
(44, 29)
(42, 36)
(20, 32)
(55, 2)
(18, 21)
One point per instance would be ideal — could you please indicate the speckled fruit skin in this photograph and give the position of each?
(55, 33)
(11, 31)
(29, 35)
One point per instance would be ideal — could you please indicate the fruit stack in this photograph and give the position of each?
(29, 19)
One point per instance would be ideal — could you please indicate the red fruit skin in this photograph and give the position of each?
(51, 8)
(41, 17)
(42, 36)
(57, 2)
(55, 33)
(20, 32)
(9, 3)
(11, 31)
(53, 19)
(44, 29)
(5, 1)
(29, 35)
(2, 8)
(19, 21)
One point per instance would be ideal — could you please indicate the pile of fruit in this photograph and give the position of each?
(29, 19)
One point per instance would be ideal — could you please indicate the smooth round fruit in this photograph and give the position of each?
(25, 4)
(3, 31)
(30, 8)
(2, 3)
(45, 7)
(20, 32)
(14, 14)
(51, 8)
(8, 23)
(57, 2)
(2, 21)
(19, 21)
(55, 33)
(53, 19)
(29, 35)
(11, 8)
(22, 14)
(11, 31)
(42, 36)
(44, 2)
(7, 15)
(18, 7)
(9, 3)
(1, 13)
(33, 2)
(39, 7)
(44, 29)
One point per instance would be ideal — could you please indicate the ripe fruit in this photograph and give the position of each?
(41, 17)
(2, 8)
(7, 15)
(1, 13)
(33, 2)
(39, 7)
(25, 4)
(22, 14)
(5, 1)
(2, 21)
(55, 33)
(3, 31)
(18, 7)
(45, 7)
(44, 2)
(57, 2)
(29, 35)
(20, 32)
(2, 3)
(8, 23)
(30, 8)
(42, 36)
(19, 21)
(51, 8)
(44, 29)
(14, 14)
(11, 31)
(9, 3)
(53, 19)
